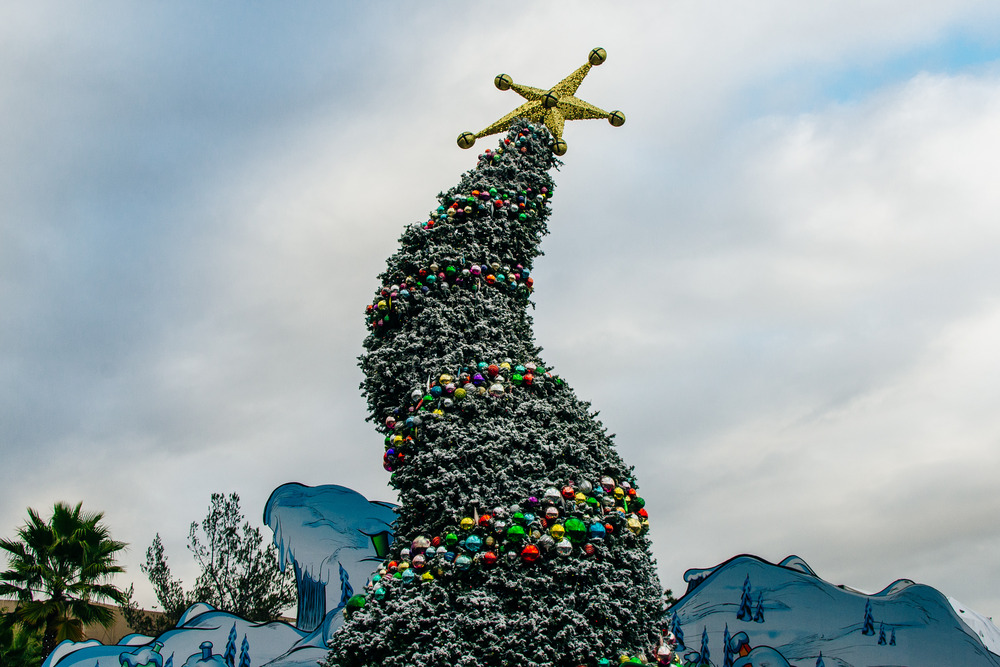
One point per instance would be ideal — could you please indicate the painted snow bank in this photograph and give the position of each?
(327, 533)
(793, 613)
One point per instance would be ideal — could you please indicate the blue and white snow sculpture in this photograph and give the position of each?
(334, 538)
(330, 534)
(810, 621)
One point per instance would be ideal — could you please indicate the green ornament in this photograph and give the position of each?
(354, 603)
(515, 533)
(576, 530)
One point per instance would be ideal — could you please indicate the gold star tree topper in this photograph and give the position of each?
(553, 106)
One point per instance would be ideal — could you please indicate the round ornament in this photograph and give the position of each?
(597, 532)
(474, 543)
(503, 81)
(616, 118)
(559, 147)
(530, 553)
(576, 530)
(515, 533)
(467, 523)
(597, 56)
(557, 531)
(564, 547)
(463, 563)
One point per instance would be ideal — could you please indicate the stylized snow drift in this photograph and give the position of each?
(329, 534)
(801, 616)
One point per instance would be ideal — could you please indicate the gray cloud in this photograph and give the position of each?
(783, 303)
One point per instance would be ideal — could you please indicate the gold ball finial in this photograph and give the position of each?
(550, 100)
(616, 118)
(597, 56)
(503, 81)
(466, 140)
(559, 147)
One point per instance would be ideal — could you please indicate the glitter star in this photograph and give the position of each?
(553, 106)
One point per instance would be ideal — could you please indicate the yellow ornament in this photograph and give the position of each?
(557, 531)
(403, 566)
(445, 378)
(634, 525)
(467, 523)
(427, 576)
(460, 393)
(619, 493)
(553, 106)
(580, 497)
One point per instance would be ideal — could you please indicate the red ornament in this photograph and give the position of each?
(484, 520)
(530, 553)
(589, 549)
(643, 513)
(493, 368)
(608, 528)
(489, 559)
(491, 279)
(436, 541)
(568, 493)
(529, 379)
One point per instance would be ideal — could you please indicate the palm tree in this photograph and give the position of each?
(58, 570)
(19, 647)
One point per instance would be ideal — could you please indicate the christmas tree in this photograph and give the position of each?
(521, 537)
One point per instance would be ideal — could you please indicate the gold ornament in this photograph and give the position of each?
(553, 106)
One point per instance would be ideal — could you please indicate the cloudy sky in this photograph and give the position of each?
(778, 282)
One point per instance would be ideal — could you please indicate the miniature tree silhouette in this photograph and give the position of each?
(869, 626)
(744, 613)
(758, 616)
(245, 653)
(727, 659)
(677, 630)
(819, 660)
(881, 634)
(704, 657)
(230, 655)
(518, 520)
(892, 638)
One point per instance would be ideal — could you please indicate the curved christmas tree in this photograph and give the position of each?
(521, 537)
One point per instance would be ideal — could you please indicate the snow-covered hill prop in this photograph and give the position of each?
(331, 535)
(749, 611)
